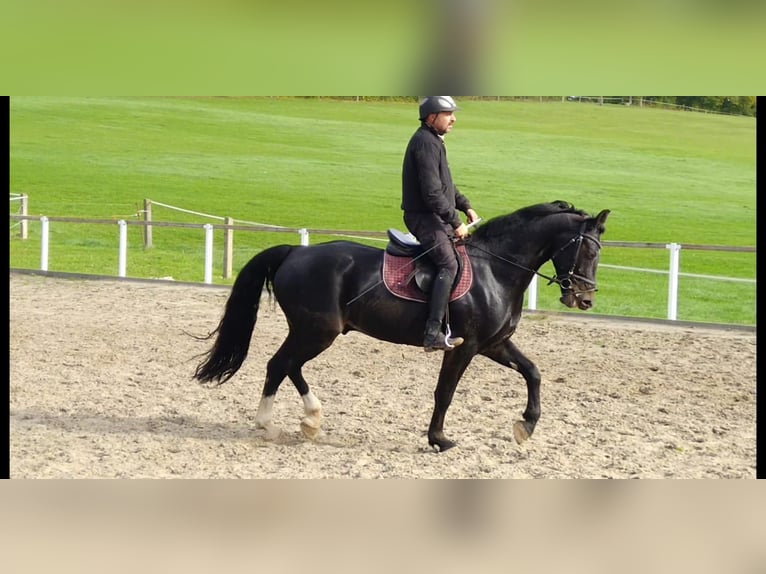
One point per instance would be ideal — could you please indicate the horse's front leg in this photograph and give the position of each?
(508, 354)
(454, 364)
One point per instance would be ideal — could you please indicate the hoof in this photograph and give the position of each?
(521, 432)
(309, 431)
(270, 431)
(442, 444)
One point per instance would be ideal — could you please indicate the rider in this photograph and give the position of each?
(431, 202)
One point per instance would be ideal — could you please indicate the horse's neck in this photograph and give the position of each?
(531, 249)
(532, 246)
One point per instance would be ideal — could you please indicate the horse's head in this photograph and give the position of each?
(576, 262)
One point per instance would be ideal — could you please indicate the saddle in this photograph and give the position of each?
(409, 275)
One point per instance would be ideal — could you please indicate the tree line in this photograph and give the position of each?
(733, 105)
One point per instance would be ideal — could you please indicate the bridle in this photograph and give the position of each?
(563, 280)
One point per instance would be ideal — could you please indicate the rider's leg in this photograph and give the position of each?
(434, 339)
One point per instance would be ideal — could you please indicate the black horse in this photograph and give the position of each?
(336, 287)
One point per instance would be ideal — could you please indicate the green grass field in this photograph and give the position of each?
(667, 176)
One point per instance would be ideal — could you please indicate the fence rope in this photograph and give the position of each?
(245, 222)
(189, 211)
(217, 217)
(696, 275)
(259, 224)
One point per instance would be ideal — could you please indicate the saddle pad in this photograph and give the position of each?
(396, 270)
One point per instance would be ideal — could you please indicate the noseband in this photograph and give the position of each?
(565, 280)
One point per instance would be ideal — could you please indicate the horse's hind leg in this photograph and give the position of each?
(275, 374)
(312, 408)
(288, 361)
(508, 354)
(276, 371)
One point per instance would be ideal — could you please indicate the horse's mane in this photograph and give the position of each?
(522, 219)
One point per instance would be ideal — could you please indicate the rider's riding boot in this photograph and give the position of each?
(434, 339)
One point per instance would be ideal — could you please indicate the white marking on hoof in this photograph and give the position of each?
(311, 423)
(263, 418)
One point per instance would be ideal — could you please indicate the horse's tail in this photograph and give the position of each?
(235, 329)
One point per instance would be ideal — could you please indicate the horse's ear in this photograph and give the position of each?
(601, 217)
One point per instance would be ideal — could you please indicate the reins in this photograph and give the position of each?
(564, 281)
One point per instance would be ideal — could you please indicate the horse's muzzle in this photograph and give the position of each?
(582, 300)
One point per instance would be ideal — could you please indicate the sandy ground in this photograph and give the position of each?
(101, 387)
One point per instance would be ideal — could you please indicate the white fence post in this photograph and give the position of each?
(675, 256)
(24, 211)
(228, 249)
(304, 236)
(44, 243)
(123, 259)
(532, 294)
(148, 239)
(208, 253)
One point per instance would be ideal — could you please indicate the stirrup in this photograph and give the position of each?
(443, 342)
(449, 341)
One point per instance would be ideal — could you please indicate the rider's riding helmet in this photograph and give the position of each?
(436, 104)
